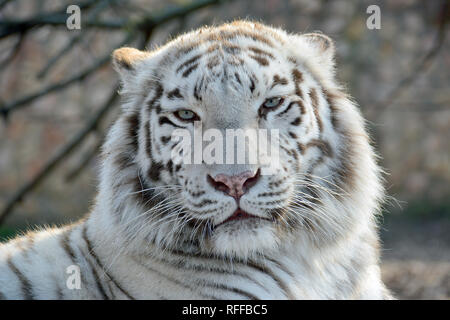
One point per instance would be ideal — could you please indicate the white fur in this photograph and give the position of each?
(336, 261)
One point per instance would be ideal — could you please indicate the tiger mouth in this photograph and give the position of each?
(240, 214)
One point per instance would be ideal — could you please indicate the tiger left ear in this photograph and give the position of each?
(126, 59)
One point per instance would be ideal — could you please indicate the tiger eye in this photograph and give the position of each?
(273, 102)
(186, 115)
(269, 105)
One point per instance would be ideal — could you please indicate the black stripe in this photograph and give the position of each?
(280, 283)
(297, 76)
(197, 88)
(97, 280)
(180, 283)
(287, 109)
(221, 286)
(65, 245)
(165, 120)
(322, 145)
(25, 283)
(273, 193)
(296, 121)
(69, 250)
(133, 122)
(301, 106)
(261, 61)
(261, 52)
(189, 70)
(94, 272)
(26, 251)
(238, 79)
(188, 62)
(203, 203)
(250, 264)
(97, 260)
(214, 61)
(159, 90)
(59, 294)
(148, 140)
(280, 266)
(252, 85)
(175, 93)
(230, 35)
(331, 99)
(170, 166)
(165, 140)
(315, 103)
(210, 269)
(301, 147)
(196, 194)
(155, 170)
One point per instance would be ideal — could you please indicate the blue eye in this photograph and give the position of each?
(273, 102)
(186, 115)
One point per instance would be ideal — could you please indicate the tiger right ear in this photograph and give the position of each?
(322, 43)
(322, 51)
(126, 59)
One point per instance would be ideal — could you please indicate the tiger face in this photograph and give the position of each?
(238, 76)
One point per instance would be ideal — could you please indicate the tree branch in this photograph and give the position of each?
(86, 159)
(423, 65)
(57, 17)
(14, 51)
(59, 156)
(50, 166)
(10, 26)
(6, 108)
(101, 5)
(147, 24)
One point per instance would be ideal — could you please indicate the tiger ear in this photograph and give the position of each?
(126, 59)
(323, 47)
(320, 41)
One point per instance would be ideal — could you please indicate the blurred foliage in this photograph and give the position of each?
(8, 233)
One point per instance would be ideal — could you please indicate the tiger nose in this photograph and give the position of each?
(236, 185)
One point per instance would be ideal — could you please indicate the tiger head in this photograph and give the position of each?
(238, 76)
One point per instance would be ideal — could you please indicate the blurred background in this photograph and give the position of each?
(58, 97)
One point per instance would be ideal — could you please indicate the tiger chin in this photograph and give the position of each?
(162, 228)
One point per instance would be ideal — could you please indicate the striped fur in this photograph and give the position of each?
(155, 230)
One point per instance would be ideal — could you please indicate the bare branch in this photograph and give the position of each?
(4, 3)
(86, 159)
(14, 51)
(173, 13)
(423, 65)
(97, 10)
(52, 60)
(57, 17)
(10, 26)
(50, 166)
(59, 156)
(146, 25)
(22, 102)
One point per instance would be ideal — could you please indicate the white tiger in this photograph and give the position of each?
(166, 230)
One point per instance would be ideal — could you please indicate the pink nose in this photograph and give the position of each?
(234, 186)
